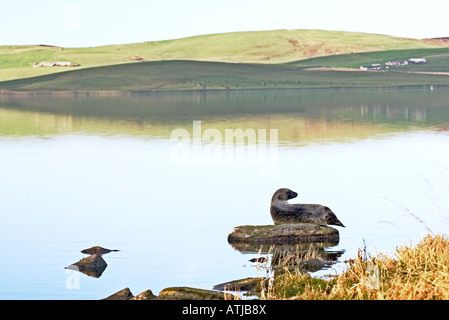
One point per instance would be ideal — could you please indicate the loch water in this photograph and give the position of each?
(152, 175)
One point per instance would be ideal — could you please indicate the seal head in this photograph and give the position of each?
(284, 194)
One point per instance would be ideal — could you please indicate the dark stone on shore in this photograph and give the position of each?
(284, 233)
(124, 294)
(259, 260)
(313, 265)
(146, 295)
(97, 250)
(172, 293)
(187, 293)
(247, 284)
(93, 265)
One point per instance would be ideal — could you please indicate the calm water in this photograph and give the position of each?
(83, 171)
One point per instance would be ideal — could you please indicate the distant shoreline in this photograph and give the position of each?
(111, 93)
(64, 92)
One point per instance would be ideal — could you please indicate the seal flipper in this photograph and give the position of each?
(332, 219)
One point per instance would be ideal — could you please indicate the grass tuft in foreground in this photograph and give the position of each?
(420, 272)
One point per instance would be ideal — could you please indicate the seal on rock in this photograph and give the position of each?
(283, 212)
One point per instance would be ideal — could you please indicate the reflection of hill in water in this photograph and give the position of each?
(300, 116)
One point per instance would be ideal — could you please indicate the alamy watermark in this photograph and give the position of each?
(233, 146)
(73, 279)
(373, 279)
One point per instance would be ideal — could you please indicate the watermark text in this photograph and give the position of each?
(233, 146)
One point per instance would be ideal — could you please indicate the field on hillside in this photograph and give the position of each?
(197, 75)
(438, 60)
(263, 47)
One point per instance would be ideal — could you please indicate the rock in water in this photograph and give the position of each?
(186, 293)
(247, 284)
(93, 265)
(97, 250)
(284, 233)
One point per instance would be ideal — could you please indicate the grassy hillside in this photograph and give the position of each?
(438, 59)
(267, 47)
(197, 75)
(244, 47)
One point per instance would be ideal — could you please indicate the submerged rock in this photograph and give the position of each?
(284, 233)
(93, 265)
(97, 250)
(187, 293)
(259, 260)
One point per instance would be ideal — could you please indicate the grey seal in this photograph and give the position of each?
(283, 212)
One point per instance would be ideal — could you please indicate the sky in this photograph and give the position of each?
(86, 23)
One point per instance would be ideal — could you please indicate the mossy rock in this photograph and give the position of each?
(247, 284)
(146, 295)
(124, 294)
(187, 293)
(284, 233)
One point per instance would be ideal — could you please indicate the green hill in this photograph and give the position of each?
(438, 60)
(199, 75)
(262, 47)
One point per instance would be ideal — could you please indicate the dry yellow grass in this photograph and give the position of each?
(414, 273)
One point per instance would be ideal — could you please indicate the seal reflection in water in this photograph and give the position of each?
(283, 212)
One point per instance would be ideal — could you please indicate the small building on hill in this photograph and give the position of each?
(417, 60)
(371, 67)
(396, 63)
(54, 64)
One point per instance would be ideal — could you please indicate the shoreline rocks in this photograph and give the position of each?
(124, 294)
(247, 285)
(172, 293)
(187, 293)
(283, 234)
